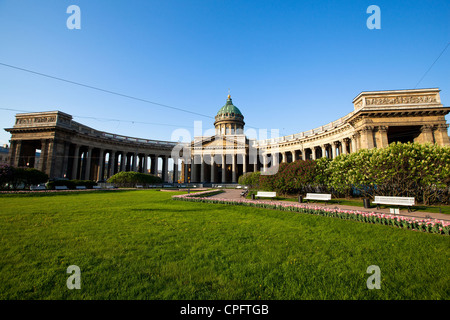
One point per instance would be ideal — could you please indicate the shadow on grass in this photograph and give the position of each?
(51, 193)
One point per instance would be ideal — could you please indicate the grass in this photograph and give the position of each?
(143, 245)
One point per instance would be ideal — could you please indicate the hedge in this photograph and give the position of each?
(131, 179)
(71, 184)
(12, 177)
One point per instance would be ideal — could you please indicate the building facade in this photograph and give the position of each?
(71, 150)
(4, 155)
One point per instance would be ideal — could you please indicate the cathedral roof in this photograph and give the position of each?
(229, 108)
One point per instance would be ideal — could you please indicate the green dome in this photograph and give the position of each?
(229, 108)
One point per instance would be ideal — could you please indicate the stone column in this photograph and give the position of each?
(87, 175)
(354, 146)
(52, 155)
(244, 163)
(265, 162)
(334, 145)
(101, 167)
(202, 169)
(144, 164)
(186, 172)
(382, 137)
(165, 169)
(134, 165)
(123, 160)
(441, 135)
(367, 138)
(193, 169)
(344, 144)
(426, 134)
(76, 159)
(224, 169)
(175, 171)
(234, 169)
(213, 176)
(324, 151)
(42, 159)
(283, 155)
(65, 160)
(155, 166)
(294, 154)
(112, 163)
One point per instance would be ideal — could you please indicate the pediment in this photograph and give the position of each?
(221, 142)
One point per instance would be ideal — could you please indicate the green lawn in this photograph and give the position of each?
(143, 245)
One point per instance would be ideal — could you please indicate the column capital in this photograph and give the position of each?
(442, 126)
(367, 129)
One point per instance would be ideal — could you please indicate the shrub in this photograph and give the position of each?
(71, 184)
(291, 178)
(131, 179)
(32, 176)
(6, 175)
(250, 179)
(14, 177)
(401, 169)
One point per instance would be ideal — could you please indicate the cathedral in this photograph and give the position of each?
(71, 150)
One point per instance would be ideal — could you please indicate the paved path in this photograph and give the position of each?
(236, 194)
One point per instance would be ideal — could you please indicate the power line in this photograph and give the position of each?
(102, 90)
(432, 65)
(108, 119)
(108, 91)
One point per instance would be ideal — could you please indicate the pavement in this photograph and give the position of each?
(236, 194)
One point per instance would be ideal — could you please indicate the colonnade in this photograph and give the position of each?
(90, 163)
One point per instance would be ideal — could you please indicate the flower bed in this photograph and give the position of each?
(425, 225)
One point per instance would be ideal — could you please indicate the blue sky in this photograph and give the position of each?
(290, 65)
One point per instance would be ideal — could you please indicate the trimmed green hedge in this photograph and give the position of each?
(12, 177)
(129, 179)
(71, 184)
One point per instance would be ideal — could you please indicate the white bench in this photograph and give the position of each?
(96, 187)
(80, 187)
(33, 188)
(395, 201)
(318, 196)
(61, 188)
(266, 194)
(139, 186)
